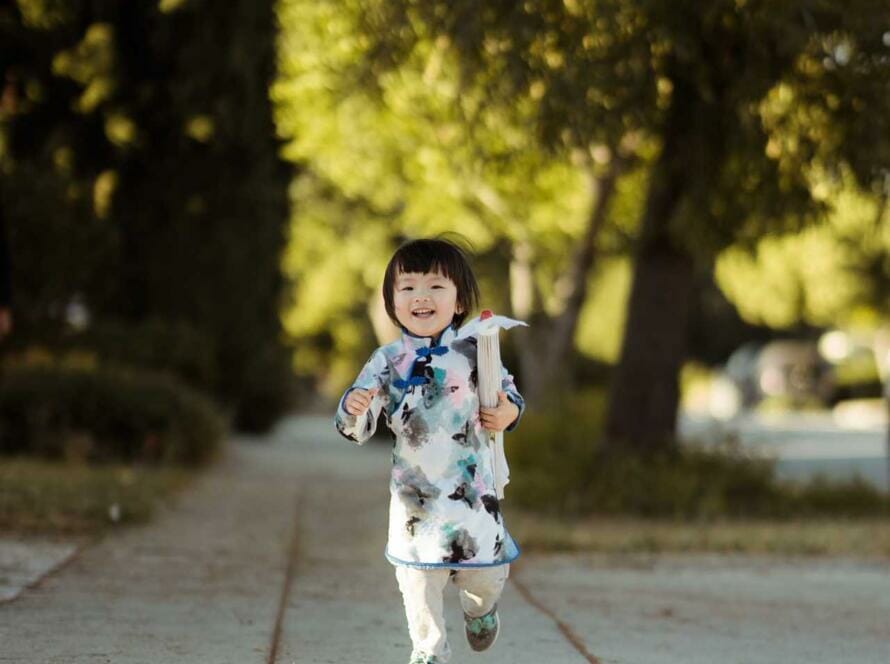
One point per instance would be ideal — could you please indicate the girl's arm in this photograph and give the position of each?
(509, 387)
(359, 428)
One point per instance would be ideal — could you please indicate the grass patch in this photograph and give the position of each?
(866, 537)
(51, 497)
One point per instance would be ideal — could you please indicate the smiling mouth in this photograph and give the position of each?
(423, 313)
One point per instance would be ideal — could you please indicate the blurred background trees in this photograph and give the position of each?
(144, 195)
(214, 193)
(606, 156)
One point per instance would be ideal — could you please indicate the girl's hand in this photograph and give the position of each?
(501, 416)
(358, 401)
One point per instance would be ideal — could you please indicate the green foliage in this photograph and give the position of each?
(269, 389)
(155, 344)
(105, 414)
(558, 466)
(553, 451)
(140, 176)
(415, 153)
(859, 537)
(746, 103)
(826, 274)
(419, 150)
(821, 496)
(744, 99)
(602, 318)
(414, 117)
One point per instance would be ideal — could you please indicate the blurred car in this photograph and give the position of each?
(795, 370)
(792, 370)
(741, 369)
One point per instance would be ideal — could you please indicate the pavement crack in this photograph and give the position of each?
(563, 627)
(292, 554)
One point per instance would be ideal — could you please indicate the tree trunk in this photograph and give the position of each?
(645, 393)
(525, 301)
(547, 344)
(562, 335)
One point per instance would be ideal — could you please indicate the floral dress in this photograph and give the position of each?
(444, 511)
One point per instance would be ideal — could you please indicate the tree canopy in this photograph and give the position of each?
(738, 111)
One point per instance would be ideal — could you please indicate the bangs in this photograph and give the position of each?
(422, 262)
(429, 256)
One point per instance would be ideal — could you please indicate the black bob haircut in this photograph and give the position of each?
(433, 255)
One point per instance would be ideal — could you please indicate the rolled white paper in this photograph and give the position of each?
(488, 367)
(477, 325)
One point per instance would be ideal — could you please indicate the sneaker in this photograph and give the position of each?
(424, 659)
(482, 631)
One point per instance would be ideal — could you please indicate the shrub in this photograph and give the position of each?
(820, 497)
(155, 344)
(559, 466)
(105, 414)
(267, 390)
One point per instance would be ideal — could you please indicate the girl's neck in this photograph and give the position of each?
(431, 337)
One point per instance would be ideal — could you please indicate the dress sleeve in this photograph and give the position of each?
(509, 387)
(375, 373)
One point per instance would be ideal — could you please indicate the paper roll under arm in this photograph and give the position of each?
(488, 367)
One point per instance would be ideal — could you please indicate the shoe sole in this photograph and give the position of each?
(493, 641)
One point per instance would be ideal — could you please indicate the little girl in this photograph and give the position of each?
(445, 521)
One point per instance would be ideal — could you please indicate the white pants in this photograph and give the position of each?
(422, 592)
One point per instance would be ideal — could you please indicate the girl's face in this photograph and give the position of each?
(425, 302)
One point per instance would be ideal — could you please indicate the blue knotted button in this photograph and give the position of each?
(423, 351)
(413, 380)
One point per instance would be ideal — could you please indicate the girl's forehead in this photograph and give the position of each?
(412, 276)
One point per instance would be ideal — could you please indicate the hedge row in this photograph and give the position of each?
(154, 344)
(106, 414)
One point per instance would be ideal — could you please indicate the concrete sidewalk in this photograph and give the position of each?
(26, 559)
(345, 605)
(217, 578)
(276, 554)
(202, 583)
